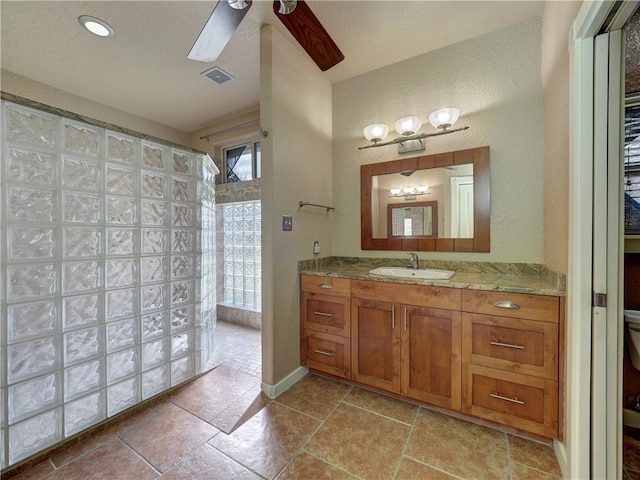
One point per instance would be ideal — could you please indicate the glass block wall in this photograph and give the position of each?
(102, 281)
(242, 253)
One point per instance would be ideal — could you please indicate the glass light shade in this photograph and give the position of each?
(96, 26)
(422, 188)
(395, 191)
(376, 132)
(407, 190)
(408, 125)
(444, 118)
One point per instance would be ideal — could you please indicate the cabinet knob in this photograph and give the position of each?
(506, 304)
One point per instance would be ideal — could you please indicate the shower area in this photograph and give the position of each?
(108, 280)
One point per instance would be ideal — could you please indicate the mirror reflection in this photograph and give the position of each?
(435, 202)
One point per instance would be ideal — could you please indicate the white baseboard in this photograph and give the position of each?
(273, 391)
(631, 418)
(561, 454)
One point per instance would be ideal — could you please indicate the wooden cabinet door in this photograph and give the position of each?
(431, 355)
(375, 343)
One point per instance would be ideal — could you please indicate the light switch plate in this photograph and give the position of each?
(287, 223)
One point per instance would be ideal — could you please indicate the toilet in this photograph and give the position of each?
(632, 320)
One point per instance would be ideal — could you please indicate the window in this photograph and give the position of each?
(242, 162)
(242, 252)
(632, 169)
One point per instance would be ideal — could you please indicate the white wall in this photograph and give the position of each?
(295, 110)
(495, 81)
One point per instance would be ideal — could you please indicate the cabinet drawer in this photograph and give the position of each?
(325, 285)
(517, 305)
(327, 353)
(325, 313)
(422, 295)
(521, 401)
(516, 345)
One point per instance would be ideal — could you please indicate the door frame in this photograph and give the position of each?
(584, 437)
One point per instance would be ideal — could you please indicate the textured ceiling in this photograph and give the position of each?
(144, 70)
(632, 60)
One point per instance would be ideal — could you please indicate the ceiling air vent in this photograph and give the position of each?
(217, 75)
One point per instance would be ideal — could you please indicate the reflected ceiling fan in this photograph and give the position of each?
(294, 14)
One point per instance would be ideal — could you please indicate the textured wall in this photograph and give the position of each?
(557, 20)
(632, 54)
(295, 108)
(495, 81)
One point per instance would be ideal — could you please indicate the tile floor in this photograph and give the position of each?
(631, 454)
(221, 426)
(239, 347)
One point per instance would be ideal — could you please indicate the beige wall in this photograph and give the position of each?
(295, 110)
(495, 81)
(39, 92)
(557, 19)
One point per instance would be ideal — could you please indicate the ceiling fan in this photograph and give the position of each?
(294, 14)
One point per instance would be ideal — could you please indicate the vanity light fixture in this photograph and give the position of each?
(409, 140)
(96, 26)
(409, 193)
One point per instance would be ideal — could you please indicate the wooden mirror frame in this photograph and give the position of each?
(481, 203)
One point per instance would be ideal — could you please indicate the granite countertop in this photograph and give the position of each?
(502, 277)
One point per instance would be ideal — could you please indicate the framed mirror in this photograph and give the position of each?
(435, 202)
(415, 219)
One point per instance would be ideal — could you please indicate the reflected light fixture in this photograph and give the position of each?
(409, 140)
(408, 192)
(96, 26)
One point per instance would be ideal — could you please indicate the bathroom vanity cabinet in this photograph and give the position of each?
(491, 355)
(407, 340)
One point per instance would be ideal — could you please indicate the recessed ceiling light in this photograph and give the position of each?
(96, 26)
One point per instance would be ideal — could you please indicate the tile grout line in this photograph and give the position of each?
(509, 461)
(141, 457)
(406, 442)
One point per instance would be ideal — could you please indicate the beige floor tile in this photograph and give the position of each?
(207, 463)
(525, 472)
(305, 466)
(314, 395)
(113, 460)
(458, 447)
(534, 454)
(164, 439)
(241, 410)
(363, 443)
(412, 470)
(268, 440)
(389, 407)
(209, 395)
(36, 472)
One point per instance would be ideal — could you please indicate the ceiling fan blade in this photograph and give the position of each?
(217, 32)
(311, 35)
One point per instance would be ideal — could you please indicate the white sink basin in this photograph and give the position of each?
(406, 272)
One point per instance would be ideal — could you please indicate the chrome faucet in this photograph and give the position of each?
(413, 260)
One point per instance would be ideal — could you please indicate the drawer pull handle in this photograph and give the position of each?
(323, 314)
(324, 352)
(508, 345)
(506, 304)
(507, 399)
(325, 285)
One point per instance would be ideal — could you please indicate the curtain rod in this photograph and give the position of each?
(231, 129)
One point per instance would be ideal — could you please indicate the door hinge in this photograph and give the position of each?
(599, 299)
